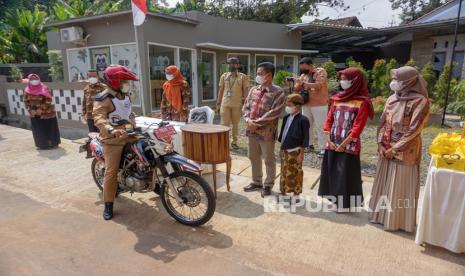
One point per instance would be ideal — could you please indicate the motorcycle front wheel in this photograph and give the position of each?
(199, 201)
(98, 171)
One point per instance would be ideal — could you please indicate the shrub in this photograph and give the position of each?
(280, 77)
(378, 79)
(379, 103)
(430, 76)
(55, 60)
(15, 73)
(410, 62)
(440, 89)
(330, 68)
(392, 64)
(350, 62)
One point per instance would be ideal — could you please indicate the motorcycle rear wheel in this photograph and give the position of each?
(190, 190)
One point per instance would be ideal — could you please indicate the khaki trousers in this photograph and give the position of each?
(112, 155)
(258, 150)
(231, 115)
(317, 117)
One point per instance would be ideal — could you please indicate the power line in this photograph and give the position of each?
(360, 7)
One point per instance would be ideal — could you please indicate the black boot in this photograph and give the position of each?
(108, 212)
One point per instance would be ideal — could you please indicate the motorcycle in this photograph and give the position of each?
(151, 164)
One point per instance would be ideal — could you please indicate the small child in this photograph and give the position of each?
(294, 138)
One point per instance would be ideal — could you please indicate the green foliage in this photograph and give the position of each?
(379, 103)
(25, 31)
(15, 73)
(55, 60)
(279, 11)
(75, 8)
(440, 89)
(280, 77)
(413, 9)
(430, 76)
(458, 108)
(410, 62)
(392, 64)
(350, 62)
(330, 68)
(379, 79)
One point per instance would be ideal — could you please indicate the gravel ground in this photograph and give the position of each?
(369, 155)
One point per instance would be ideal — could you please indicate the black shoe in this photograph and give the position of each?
(266, 191)
(252, 187)
(108, 212)
(309, 149)
(234, 146)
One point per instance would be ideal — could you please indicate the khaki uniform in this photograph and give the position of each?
(90, 91)
(234, 90)
(112, 147)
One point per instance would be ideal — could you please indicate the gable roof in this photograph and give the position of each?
(351, 21)
(447, 11)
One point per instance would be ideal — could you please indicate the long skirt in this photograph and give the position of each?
(45, 132)
(394, 197)
(292, 175)
(341, 179)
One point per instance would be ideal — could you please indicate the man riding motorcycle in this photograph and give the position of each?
(113, 115)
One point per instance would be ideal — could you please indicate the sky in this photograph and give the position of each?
(371, 13)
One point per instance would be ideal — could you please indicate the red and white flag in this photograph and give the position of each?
(139, 10)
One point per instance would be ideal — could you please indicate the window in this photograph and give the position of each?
(265, 58)
(207, 75)
(244, 59)
(160, 57)
(126, 55)
(185, 65)
(99, 59)
(78, 64)
(290, 64)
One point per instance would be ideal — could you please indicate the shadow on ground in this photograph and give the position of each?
(158, 235)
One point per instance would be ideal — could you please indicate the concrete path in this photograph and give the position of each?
(50, 224)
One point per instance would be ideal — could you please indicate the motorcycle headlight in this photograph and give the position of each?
(168, 148)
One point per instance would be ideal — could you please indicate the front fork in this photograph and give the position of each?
(166, 171)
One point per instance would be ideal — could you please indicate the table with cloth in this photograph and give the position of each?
(145, 122)
(442, 213)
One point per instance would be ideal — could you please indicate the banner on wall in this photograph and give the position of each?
(100, 58)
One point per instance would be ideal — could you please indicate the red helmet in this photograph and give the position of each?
(114, 74)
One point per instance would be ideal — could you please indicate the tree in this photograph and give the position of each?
(430, 76)
(440, 89)
(413, 9)
(279, 11)
(25, 31)
(379, 79)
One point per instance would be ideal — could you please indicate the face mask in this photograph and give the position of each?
(304, 71)
(125, 89)
(35, 82)
(346, 84)
(169, 77)
(395, 85)
(259, 79)
(290, 109)
(232, 69)
(93, 80)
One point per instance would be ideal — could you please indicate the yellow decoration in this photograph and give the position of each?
(448, 151)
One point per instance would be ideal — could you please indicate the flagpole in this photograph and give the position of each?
(139, 69)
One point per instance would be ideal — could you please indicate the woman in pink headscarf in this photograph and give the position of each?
(44, 124)
(397, 178)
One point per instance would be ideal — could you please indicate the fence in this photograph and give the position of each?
(67, 98)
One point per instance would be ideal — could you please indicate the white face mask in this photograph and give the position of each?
(290, 109)
(125, 89)
(346, 84)
(35, 82)
(259, 79)
(396, 85)
(169, 77)
(93, 80)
